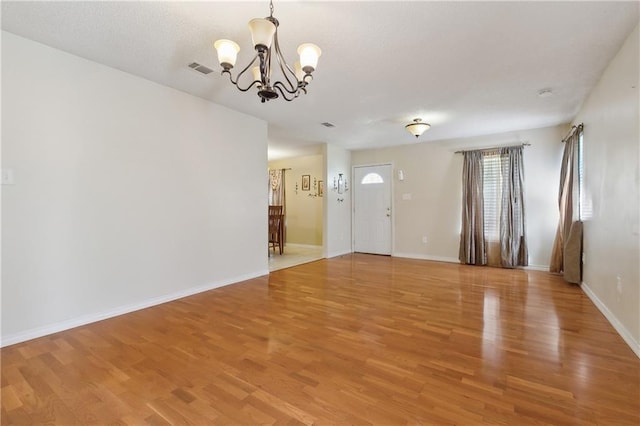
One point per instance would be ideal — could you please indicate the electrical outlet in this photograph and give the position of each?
(619, 285)
(424, 239)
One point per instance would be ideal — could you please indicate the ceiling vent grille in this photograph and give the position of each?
(200, 68)
(327, 124)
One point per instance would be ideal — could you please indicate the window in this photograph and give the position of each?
(584, 202)
(491, 190)
(493, 182)
(370, 178)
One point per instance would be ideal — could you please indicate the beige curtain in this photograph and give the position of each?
(513, 244)
(276, 187)
(473, 247)
(493, 220)
(566, 199)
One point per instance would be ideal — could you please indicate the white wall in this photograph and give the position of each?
(611, 178)
(337, 213)
(433, 180)
(304, 211)
(126, 193)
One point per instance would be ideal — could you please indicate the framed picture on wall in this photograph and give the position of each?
(306, 182)
(320, 188)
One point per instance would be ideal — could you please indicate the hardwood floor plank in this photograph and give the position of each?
(357, 339)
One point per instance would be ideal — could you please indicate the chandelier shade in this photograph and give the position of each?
(309, 54)
(227, 52)
(417, 128)
(262, 31)
(270, 73)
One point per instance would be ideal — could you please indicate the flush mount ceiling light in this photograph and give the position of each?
(264, 33)
(417, 128)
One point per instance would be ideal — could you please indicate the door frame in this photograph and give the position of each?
(393, 204)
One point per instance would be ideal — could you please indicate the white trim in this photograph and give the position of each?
(311, 246)
(99, 316)
(339, 253)
(543, 268)
(617, 325)
(427, 257)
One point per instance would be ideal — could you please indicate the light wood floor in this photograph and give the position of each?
(353, 340)
(293, 255)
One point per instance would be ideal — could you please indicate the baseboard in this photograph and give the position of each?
(543, 268)
(311, 246)
(36, 332)
(338, 253)
(617, 325)
(426, 257)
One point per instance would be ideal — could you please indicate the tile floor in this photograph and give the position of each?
(294, 255)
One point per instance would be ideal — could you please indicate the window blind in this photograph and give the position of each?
(491, 189)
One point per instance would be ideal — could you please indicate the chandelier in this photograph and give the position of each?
(264, 33)
(417, 128)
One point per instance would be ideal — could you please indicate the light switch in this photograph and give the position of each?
(406, 196)
(7, 176)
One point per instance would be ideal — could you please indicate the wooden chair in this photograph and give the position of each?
(275, 232)
(273, 210)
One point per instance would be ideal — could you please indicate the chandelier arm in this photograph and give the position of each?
(279, 86)
(255, 82)
(284, 67)
(236, 83)
(291, 89)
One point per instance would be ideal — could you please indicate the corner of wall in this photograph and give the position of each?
(610, 316)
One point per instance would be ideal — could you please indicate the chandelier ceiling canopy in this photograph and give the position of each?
(268, 62)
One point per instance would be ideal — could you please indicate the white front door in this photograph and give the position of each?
(372, 209)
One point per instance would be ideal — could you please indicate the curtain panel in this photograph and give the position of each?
(473, 247)
(513, 244)
(276, 187)
(493, 211)
(566, 200)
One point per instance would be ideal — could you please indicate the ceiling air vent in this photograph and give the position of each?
(200, 68)
(327, 124)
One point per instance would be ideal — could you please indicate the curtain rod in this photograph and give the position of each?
(494, 147)
(574, 129)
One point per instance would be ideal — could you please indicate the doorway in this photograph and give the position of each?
(372, 211)
(303, 200)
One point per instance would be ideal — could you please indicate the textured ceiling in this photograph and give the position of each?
(468, 68)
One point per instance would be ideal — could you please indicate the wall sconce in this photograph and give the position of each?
(340, 184)
(316, 192)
